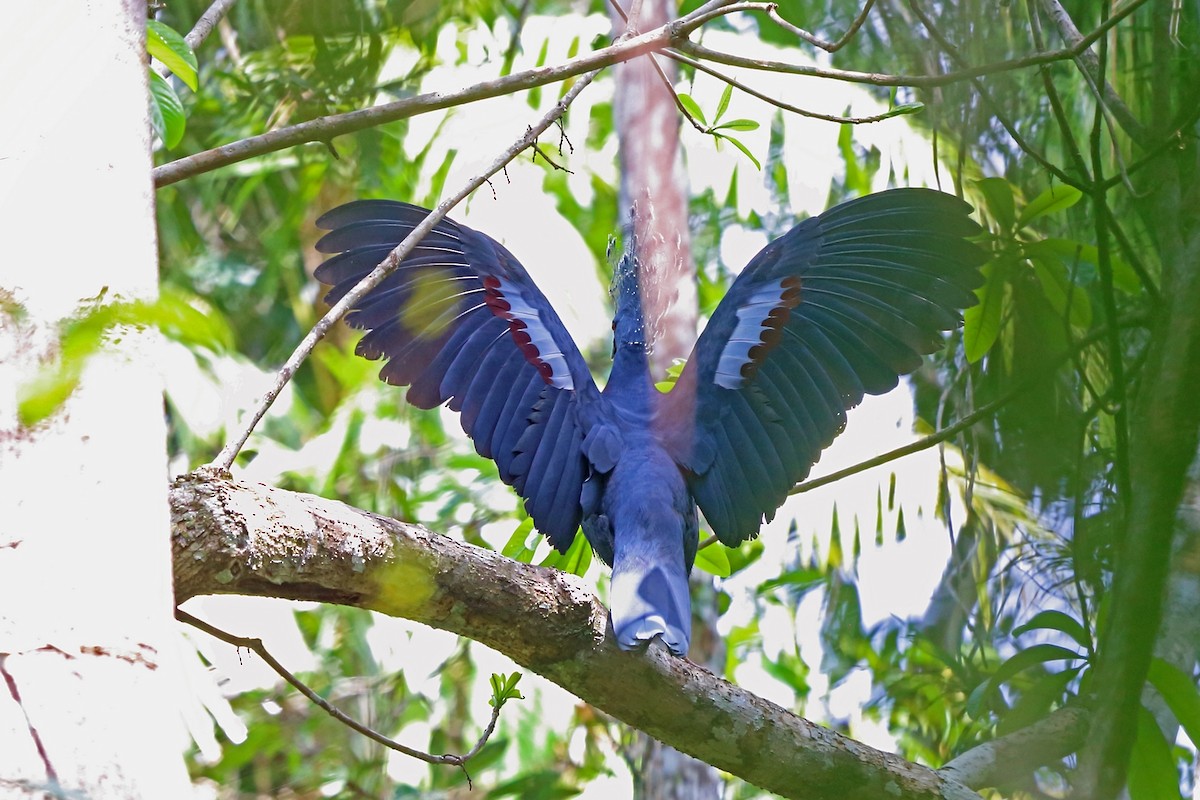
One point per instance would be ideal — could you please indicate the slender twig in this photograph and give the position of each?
(324, 129)
(1089, 65)
(883, 79)
(966, 422)
(255, 645)
(208, 20)
(829, 47)
(734, 82)
(992, 104)
(225, 459)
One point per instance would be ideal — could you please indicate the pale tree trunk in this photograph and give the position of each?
(85, 569)
(654, 193)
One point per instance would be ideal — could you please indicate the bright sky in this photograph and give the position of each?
(896, 579)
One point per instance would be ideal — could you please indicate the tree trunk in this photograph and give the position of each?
(85, 570)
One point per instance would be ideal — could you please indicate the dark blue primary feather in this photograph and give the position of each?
(839, 307)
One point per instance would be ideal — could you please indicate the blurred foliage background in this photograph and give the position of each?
(1016, 514)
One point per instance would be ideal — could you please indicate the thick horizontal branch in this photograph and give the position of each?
(231, 537)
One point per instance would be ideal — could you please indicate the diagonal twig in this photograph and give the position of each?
(225, 458)
(257, 646)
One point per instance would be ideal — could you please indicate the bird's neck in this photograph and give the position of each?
(629, 383)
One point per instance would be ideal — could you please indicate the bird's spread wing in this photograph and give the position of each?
(836, 308)
(461, 321)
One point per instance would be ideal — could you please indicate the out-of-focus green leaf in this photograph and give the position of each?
(1070, 252)
(1023, 660)
(998, 194)
(166, 112)
(1064, 296)
(576, 560)
(1180, 693)
(714, 560)
(1056, 198)
(165, 44)
(1152, 771)
(518, 546)
(981, 323)
(1057, 621)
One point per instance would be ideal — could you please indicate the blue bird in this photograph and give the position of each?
(838, 307)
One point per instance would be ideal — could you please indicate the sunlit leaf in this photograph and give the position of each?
(714, 560)
(692, 108)
(165, 44)
(741, 147)
(723, 103)
(1056, 198)
(166, 111)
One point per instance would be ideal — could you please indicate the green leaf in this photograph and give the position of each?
(165, 44)
(504, 688)
(166, 112)
(1056, 198)
(517, 546)
(576, 560)
(903, 109)
(1063, 295)
(1070, 252)
(1152, 771)
(1031, 657)
(724, 102)
(1057, 621)
(1180, 693)
(998, 195)
(981, 323)
(738, 125)
(741, 147)
(714, 560)
(690, 106)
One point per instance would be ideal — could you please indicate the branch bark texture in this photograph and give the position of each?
(231, 537)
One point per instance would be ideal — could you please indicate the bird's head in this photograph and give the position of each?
(630, 330)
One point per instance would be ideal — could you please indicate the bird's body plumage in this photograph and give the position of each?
(839, 306)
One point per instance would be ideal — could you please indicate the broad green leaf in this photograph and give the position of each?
(981, 323)
(738, 125)
(714, 560)
(1057, 621)
(576, 560)
(692, 108)
(1056, 198)
(1030, 657)
(724, 102)
(166, 112)
(741, 147)
(1180, 693)
(1063, 296)
(517, 546)
(1152, 771)
(165, 44)
(1067, 251)
(998, 195)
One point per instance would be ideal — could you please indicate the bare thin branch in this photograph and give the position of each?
(1089, 65)
(963, 424)
(225, 458)
(325, 129)
(208, 20)
(734, 82)
(256, 645)
(830, 47)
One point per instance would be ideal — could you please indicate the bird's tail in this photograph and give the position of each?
(649, 598)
